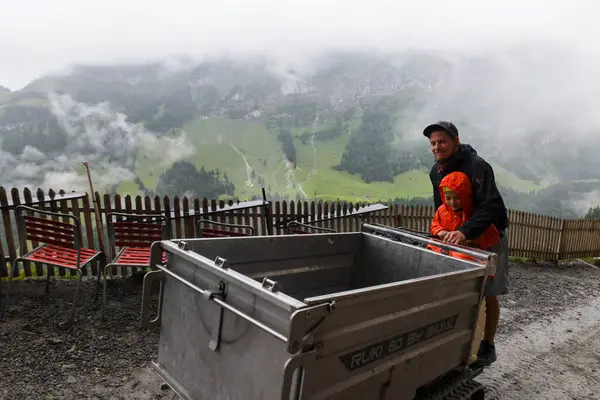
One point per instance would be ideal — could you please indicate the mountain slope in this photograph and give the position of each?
(301, 133)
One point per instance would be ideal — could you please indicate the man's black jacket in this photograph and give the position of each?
(487, 202)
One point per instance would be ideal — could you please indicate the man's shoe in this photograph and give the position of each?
(486, 354)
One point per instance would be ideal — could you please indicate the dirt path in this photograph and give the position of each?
(557, 356)
(548, 342)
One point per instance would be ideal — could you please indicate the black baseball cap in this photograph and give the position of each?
(445, 126)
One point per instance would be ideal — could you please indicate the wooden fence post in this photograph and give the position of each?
(561, 235)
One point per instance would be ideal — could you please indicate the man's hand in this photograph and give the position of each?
(455, 237)
(442, 234)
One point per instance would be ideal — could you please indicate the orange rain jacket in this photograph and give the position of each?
(448, 220)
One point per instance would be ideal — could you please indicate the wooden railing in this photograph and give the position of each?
(530, 235)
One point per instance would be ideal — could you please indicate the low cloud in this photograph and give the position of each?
(96, 134)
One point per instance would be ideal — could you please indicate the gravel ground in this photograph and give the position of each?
(548, 341)
(92, 360)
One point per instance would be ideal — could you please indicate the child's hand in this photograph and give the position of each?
(442, 234)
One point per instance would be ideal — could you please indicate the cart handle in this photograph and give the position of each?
(220, 302)
(481, 255)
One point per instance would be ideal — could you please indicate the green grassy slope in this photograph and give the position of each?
(509, 179)
(214, 141)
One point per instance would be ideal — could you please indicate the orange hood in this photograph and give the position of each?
(459, 183)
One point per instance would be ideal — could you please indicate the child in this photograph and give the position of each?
(457, 193)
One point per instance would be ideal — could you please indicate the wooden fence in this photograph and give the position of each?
(530, 235)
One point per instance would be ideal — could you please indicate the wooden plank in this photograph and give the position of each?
(188, 222)
(543, 237)
(89, 232)
(54, 208)
(158, 208)
(292, 210)
(8, 231)
(28, 198)
(338, 222)
(76, 211)
(139, 209)
(109, 205)
(3, 268)
(177, 216)
(64, 210)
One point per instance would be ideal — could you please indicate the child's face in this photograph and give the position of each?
(453, 201)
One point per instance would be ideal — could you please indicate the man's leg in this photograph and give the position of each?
(492, 313)
(498, 286)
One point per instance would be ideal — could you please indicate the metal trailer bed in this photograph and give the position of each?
(364, 315)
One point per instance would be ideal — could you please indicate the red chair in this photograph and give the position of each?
(219, 231)
(130, 238)
(61, 246)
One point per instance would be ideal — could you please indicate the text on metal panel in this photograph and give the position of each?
(374, 352)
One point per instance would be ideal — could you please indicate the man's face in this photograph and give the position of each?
(442, 145)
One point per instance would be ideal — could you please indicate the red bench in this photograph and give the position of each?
(61, 245)
(219, 231)
(295, 227)
(130, 237)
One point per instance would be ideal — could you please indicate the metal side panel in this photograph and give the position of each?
(422, 327)
(384, 260)
(300, 264)
(266, 252)
(219, 268)
(213, 359)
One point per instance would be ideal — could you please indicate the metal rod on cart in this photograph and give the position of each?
(96, 209)
(480, 255)
(223, 304)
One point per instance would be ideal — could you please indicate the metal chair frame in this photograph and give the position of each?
(61, 246)
(294, 227)
(221, 232)
(131, 240)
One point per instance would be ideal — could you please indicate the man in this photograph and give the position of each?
(450, 156)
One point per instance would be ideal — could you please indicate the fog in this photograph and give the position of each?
(37, 36)
(520, 72)
(97, 134)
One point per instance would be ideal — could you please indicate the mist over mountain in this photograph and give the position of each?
(340, 125)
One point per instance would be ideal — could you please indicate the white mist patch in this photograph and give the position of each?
(164, 151)
(32, 154)
(97, 134)
(583, 202)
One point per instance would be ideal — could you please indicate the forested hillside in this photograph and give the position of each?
(347, 128)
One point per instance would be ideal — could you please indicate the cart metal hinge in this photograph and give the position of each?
(217, 326)
(221, 262)
(270, 285)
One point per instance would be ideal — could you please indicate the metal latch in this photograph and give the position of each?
(270, 285)
(210, 294)
(221, 262)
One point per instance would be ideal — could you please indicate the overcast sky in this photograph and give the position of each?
(40, 36)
